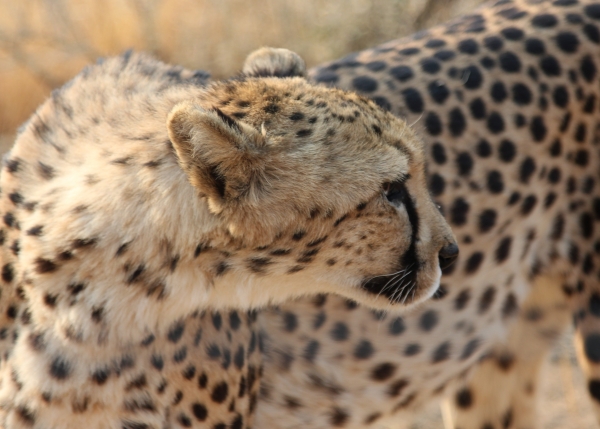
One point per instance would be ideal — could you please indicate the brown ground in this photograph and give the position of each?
(45, 42)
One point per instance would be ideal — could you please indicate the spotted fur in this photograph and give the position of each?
(145, 215)
(507, 99)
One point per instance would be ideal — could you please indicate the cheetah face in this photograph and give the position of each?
(314, 190)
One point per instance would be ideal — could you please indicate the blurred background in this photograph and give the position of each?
(43, 43)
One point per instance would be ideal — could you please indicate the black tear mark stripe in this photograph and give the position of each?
(409, 259)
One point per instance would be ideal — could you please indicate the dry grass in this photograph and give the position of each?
(45, 42)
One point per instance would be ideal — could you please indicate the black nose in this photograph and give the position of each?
(448, 255)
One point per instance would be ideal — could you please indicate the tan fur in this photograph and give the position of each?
(143, 209)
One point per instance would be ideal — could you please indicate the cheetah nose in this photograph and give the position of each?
(448, 255)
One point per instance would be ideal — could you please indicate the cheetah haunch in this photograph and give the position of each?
(136, 201)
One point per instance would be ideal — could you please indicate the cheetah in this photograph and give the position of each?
(507, 100)
(148, 216)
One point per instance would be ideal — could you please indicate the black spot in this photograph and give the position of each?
(438, 91)
(459, 212)
(9, 220)
(464, 161)
(457, 123)
(503, 249)
(100, 376)
(509, 62)
(487, 299)
(176, 332)
(470, 348)
(412, 349)
(487, 220)
(592, 33)
(473, 77)
(567, 41)
(544, 20)
(483, 149)
(398, 386)
(376, 65)
(586, 223)
(180, 355)
(444, 55)
(430, 65)
(527, 169)
(473, 263)
(234, 320)
(433, 124)
(521, 95)
(296, 116)
(436, 184)
(290, 322)
(428, 320)
(507, 150)
(327, 77)
(495, 123)
(135, 276)
(413, 100)
(581, 157)
(199, 411)
(401, 73)
(464, 398)
(60, 368)
(43, 266)
(512, 33)
(304, 133)
(592, 347)
(12, 165)
(217, 320)
(493, 43)
(364, 84)
(438, 153)
(468, 46)
(338, 417)
(220, 392)
(588, 68)
(364, 350)
(535, 46)
(441, 353)
(538, 129)
(340, 331)
(498, 92)
(594, 389)
(494, 182)
(477, 108)
(510, 306)
(8, 272)
(396, 326)
(550, 66)
(528, 204)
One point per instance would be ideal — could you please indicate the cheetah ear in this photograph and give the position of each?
(217, 153)
(274, 62)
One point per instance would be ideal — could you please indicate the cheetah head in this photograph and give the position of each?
(312, 190)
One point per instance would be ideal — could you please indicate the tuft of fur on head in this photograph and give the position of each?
(274, 62)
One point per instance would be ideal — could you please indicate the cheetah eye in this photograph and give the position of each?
(394, 191)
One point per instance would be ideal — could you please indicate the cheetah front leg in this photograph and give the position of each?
(502, 390)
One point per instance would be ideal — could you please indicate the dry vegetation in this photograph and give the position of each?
(45, 42)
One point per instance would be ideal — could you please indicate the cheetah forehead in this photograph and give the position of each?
(296, 112)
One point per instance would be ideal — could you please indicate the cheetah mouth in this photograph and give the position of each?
(399, 287)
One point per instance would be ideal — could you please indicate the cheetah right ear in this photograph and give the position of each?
(274, 62)
(217, 153)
